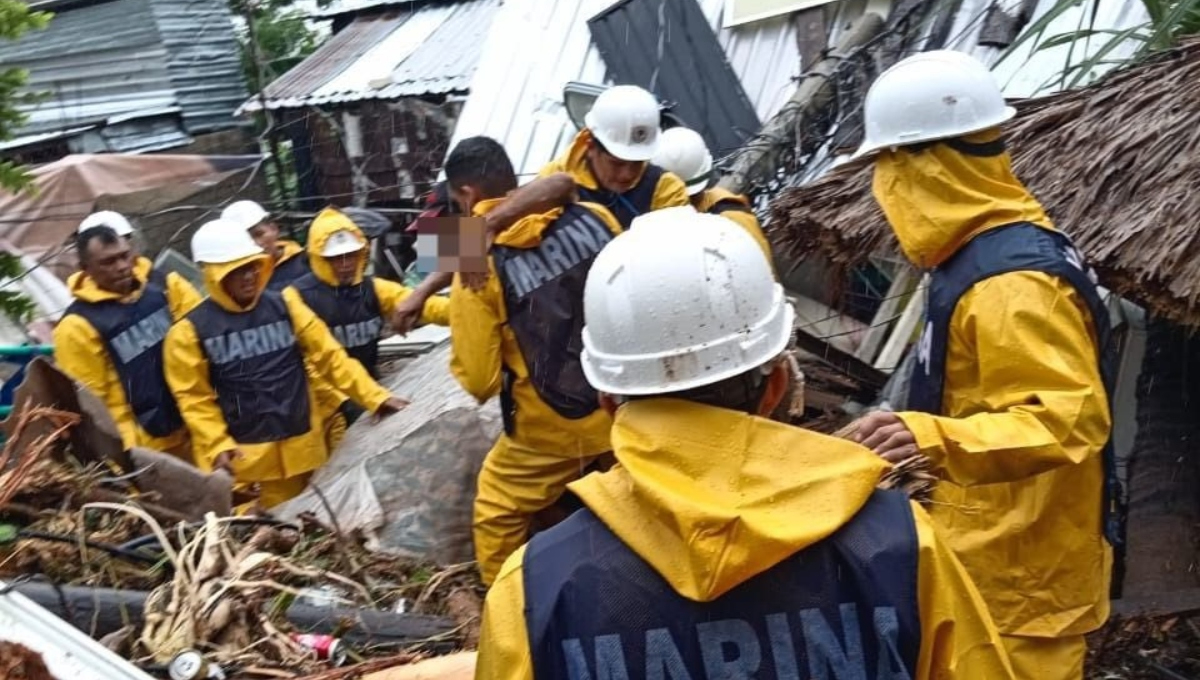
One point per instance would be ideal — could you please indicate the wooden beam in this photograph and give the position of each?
(845, 362)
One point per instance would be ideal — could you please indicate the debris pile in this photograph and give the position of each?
(1145, 648)
(242, 591)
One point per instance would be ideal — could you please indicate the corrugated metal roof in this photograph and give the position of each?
(124, 56)
(204, 63)
(389, 55)
(516, 96)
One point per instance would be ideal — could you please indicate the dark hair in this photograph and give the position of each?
(105, 235)
(483, 163)
(743, 392)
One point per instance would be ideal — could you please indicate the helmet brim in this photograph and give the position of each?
(870, 147)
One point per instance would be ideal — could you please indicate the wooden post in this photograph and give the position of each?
(893, 349)
(814, 94)
(878, 331)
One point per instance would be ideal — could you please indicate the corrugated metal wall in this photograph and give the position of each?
(672, 50)
(203, 61)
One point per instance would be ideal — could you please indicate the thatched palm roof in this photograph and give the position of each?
(1116, 164)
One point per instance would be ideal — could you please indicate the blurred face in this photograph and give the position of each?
(266, 235)
(345, 267)
(611, 172)
(241, 285)
(110, 265)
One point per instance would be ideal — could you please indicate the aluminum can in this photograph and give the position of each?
(327, 647)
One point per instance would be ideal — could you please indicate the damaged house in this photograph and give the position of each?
(368, 116)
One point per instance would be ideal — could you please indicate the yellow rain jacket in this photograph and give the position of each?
(290, 266)
(481, 341)
(1027, 413)
(528, 471)
(389, 293)
(669, 193)
(709, 198)
(79, 350)
(188, 375)
(711, 498)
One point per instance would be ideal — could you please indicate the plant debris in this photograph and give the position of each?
(1145, 648)
(221, 586)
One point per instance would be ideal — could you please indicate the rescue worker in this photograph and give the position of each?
(290, 262)
(236, 364)
(110, 338)
(725, 544)
(178, 287)
(682, 152)
(519, 336)
(538, 196)
(609, 159)
(353, 305)
(1008, 397)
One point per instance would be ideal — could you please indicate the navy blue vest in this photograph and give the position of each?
(256, 369)
(843, 608)
(1017, 247)
(133, 335)
(543, 295)
(288, 271)
(352, 314)
(637, 201)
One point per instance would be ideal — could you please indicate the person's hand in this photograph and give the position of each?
(408, 313)
(390, 407)
(225, 460)
(884, 433)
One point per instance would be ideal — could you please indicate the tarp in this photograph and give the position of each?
(408, 482)
(38, 222)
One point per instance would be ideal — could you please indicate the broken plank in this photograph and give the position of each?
(847, 363)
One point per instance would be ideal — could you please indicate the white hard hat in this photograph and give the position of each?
(680, 300)
(682, 151)
(625, 120)
(220, 241)
(930, 96)
(342, 242)
(247, 214)
(107, 218)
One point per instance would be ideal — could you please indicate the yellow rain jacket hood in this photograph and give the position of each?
(390, 293)
(670, 191)
(711, 498)
(482, 342)
(709, 198)
(78, 350)
(188, 374)
(938, 199)
(1026, 413)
